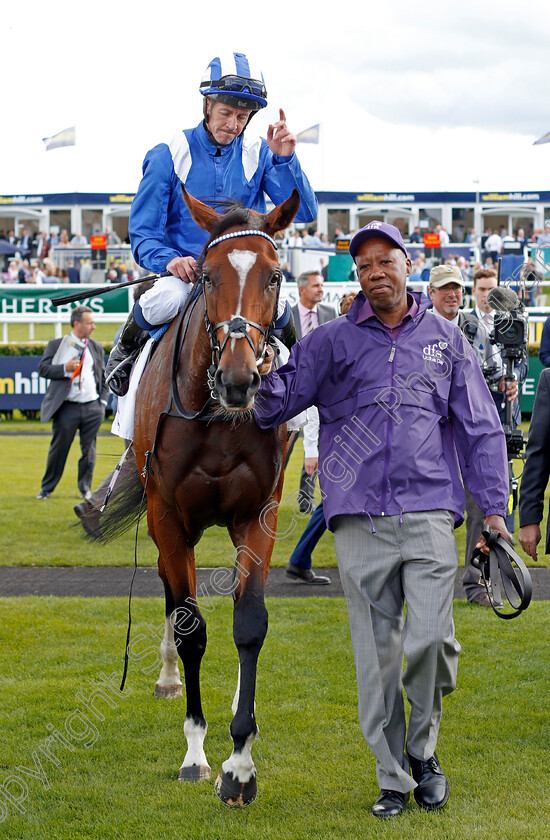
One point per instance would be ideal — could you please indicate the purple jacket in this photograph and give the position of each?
(394, 413)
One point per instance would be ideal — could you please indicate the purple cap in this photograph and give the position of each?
(377, 229)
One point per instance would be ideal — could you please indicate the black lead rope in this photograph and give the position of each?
(503, 566)
(145, 473)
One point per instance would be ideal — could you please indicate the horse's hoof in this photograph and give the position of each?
(233, 793)
(194, 773)
(168, 692)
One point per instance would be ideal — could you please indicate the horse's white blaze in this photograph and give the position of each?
(240, 764)
(169, 674)
(242, 262)
(195, 735)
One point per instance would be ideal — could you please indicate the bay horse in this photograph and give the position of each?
(223, 470)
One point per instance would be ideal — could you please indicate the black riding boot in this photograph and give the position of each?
(122, 357)
(287, 334)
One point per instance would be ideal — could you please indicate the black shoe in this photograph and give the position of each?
(43, 495)
(390, 803)
(306, 575)
(433, 787)
(89, 516)
(480, 598)
(121, 359)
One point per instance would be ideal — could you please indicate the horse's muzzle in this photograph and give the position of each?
(237, 390)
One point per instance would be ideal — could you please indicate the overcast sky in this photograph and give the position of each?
(410, 97)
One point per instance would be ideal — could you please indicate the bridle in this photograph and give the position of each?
(238, 326)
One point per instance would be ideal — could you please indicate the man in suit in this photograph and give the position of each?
(308, 314)
(536, 472)
(26, 243)
(75, 399)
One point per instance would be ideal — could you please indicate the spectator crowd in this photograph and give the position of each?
(31, 260)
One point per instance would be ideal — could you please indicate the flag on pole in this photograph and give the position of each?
(544, 139)
(67, 137)
(309, 135)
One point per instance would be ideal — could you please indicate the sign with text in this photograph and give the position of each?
(432, 240)
(20, 384)
(98, 243)
(22, 299)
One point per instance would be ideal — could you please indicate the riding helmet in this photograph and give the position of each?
(230, 79)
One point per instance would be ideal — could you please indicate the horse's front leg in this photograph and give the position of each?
(236, 785)
(185, 635)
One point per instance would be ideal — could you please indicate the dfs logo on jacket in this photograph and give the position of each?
(432, 352)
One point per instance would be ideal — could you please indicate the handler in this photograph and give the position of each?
(215, 161)
(399, 396)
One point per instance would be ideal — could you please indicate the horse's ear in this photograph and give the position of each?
(281, 216)
(202, 213)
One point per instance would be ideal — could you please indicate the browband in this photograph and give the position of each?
(241, 233)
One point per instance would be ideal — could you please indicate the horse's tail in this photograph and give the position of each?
(125, 507)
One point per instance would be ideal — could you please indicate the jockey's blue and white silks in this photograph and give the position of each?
(161, 227)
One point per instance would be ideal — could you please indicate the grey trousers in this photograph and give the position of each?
(383, 563)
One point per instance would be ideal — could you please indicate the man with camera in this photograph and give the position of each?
(446, 288)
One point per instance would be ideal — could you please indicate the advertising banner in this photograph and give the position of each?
(23, 299)
(20, 385)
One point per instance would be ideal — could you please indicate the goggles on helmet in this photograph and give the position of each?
(237, 84)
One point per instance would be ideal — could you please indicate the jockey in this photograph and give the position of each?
(214, 161)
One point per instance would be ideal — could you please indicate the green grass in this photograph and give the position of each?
(40, 533)
(19, 333)
(316, 775)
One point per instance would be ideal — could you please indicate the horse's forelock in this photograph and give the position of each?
(235, 214)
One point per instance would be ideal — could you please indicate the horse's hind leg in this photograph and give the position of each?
(236, 785)
(169, 681)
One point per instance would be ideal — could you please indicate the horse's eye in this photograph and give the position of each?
(275, 278)
(206, 279)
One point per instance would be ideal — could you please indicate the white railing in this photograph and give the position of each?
(76, 254)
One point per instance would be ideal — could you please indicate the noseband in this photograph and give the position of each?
(238, 327)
